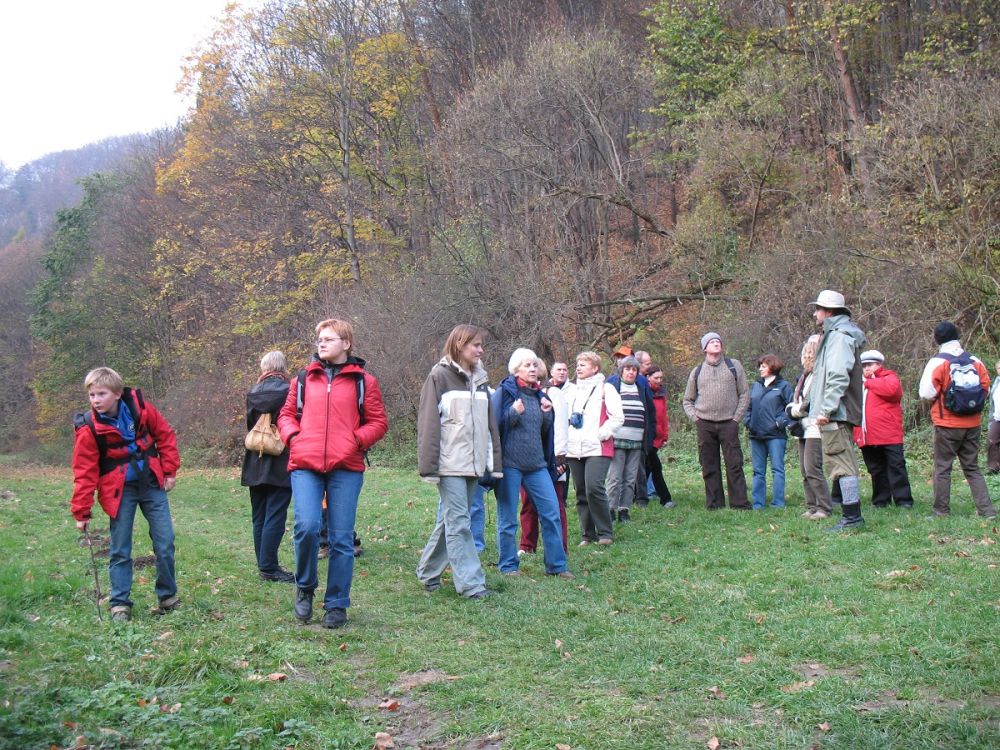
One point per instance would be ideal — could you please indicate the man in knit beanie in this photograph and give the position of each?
(957, 426)
(715, 399)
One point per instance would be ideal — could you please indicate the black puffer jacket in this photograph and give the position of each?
(268, 396)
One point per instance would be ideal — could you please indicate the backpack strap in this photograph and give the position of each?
(729, 364)
(300, 394)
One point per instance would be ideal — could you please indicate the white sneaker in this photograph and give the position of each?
(520, 553)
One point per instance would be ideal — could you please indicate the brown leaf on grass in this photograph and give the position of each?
(228, 700)
(389, 704)
(559, 644)
(746, 659)
(70, 724)
(961, 553)
(797, 686)
(563, 746)
(824, 727)
(716, 693)
(383, 741)
(713, 744)
(277, 677)
(672, 620)
(342, 647)
(987, 540)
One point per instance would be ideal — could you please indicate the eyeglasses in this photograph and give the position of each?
(320, 342)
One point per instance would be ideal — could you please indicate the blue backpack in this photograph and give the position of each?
(965, 393)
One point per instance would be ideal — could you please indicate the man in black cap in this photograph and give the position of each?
(956, 384)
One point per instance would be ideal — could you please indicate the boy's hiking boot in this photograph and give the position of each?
(335, 618)
(303, 605)
(279, 576)
(121, 613)
(846, 524)
(324, 551)
(167, 604)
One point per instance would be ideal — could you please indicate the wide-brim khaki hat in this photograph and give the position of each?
(831, 300)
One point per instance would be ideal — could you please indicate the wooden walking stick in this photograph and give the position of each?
(93, 567)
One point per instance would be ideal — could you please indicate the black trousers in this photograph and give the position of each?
(655, 469)
(890, 482)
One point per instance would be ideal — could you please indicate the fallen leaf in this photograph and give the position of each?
(797, 686)
(824, 727)
(961, 553)
(389, 704)
(559, 644)
(561, 746)
(383, 741)
(142, 702)
(227, 699)
(716, 693)
(164, 635)
(713, 744)
(746, 659)
(773, 527)
(895, 573)
(277, 677)
(342, 647)
(70, 724)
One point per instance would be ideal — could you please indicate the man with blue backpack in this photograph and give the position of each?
(956, 384)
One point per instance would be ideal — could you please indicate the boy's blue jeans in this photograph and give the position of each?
(153, 504)
(342, 489)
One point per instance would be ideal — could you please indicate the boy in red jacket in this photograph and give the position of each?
(127, 452)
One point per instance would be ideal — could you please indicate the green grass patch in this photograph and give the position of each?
(756, 629)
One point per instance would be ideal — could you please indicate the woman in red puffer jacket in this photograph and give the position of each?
(653, 466)
(880, 435)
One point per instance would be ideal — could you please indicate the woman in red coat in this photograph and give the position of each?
(339, 418)
(653, 466)
(880, 435)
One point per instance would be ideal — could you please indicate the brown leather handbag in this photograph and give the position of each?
(264, 438)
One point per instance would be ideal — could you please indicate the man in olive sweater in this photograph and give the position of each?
(716, 398)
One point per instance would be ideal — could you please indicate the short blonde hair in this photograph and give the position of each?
(274, 362)
(104, 377)
(593, 357)
(543, 371)
(340, 327)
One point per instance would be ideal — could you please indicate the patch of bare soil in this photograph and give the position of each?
(890, 701)
(411, 724)
(144, 562)
(814, 671)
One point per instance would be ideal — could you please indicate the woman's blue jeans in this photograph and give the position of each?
(152, 501)
(342, 489)
(540, 489)
(762, 451)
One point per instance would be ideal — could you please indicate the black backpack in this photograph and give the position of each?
(729, 364)
(86, 419)
(965, 393)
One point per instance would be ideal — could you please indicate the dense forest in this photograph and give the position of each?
(566, 173)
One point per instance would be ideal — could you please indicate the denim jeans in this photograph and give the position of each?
(451, 542)
(152, 501)
(762, 451)
(538, 483)
(268, 512)
(342, 488)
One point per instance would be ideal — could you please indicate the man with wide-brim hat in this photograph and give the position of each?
(835, 401)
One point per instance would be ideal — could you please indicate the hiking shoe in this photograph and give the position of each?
(807, 513)
(604, 542)
(512, 573)
(818, 515)
(563, 574)
(335, 618)
(167, 604)
(583, 543)
(845, 524)
(279, 576)
(668, 504)
(624, 517)
(480, 594)
(324, 551)
(303, 605)
(988, 516)
(431, 586)
(121, 613)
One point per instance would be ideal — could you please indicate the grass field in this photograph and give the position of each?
(695, 630)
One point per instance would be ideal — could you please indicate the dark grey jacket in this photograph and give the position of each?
(268, 396)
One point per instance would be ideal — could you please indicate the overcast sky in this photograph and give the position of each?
(75, 71)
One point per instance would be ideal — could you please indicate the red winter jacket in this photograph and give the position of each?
(662, 420)
(151, 430)
(882, 423)
(330, 435)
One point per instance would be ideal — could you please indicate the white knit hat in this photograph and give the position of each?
(872, 355)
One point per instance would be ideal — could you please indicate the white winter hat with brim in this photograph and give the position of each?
(872, 355)
(831, 300)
